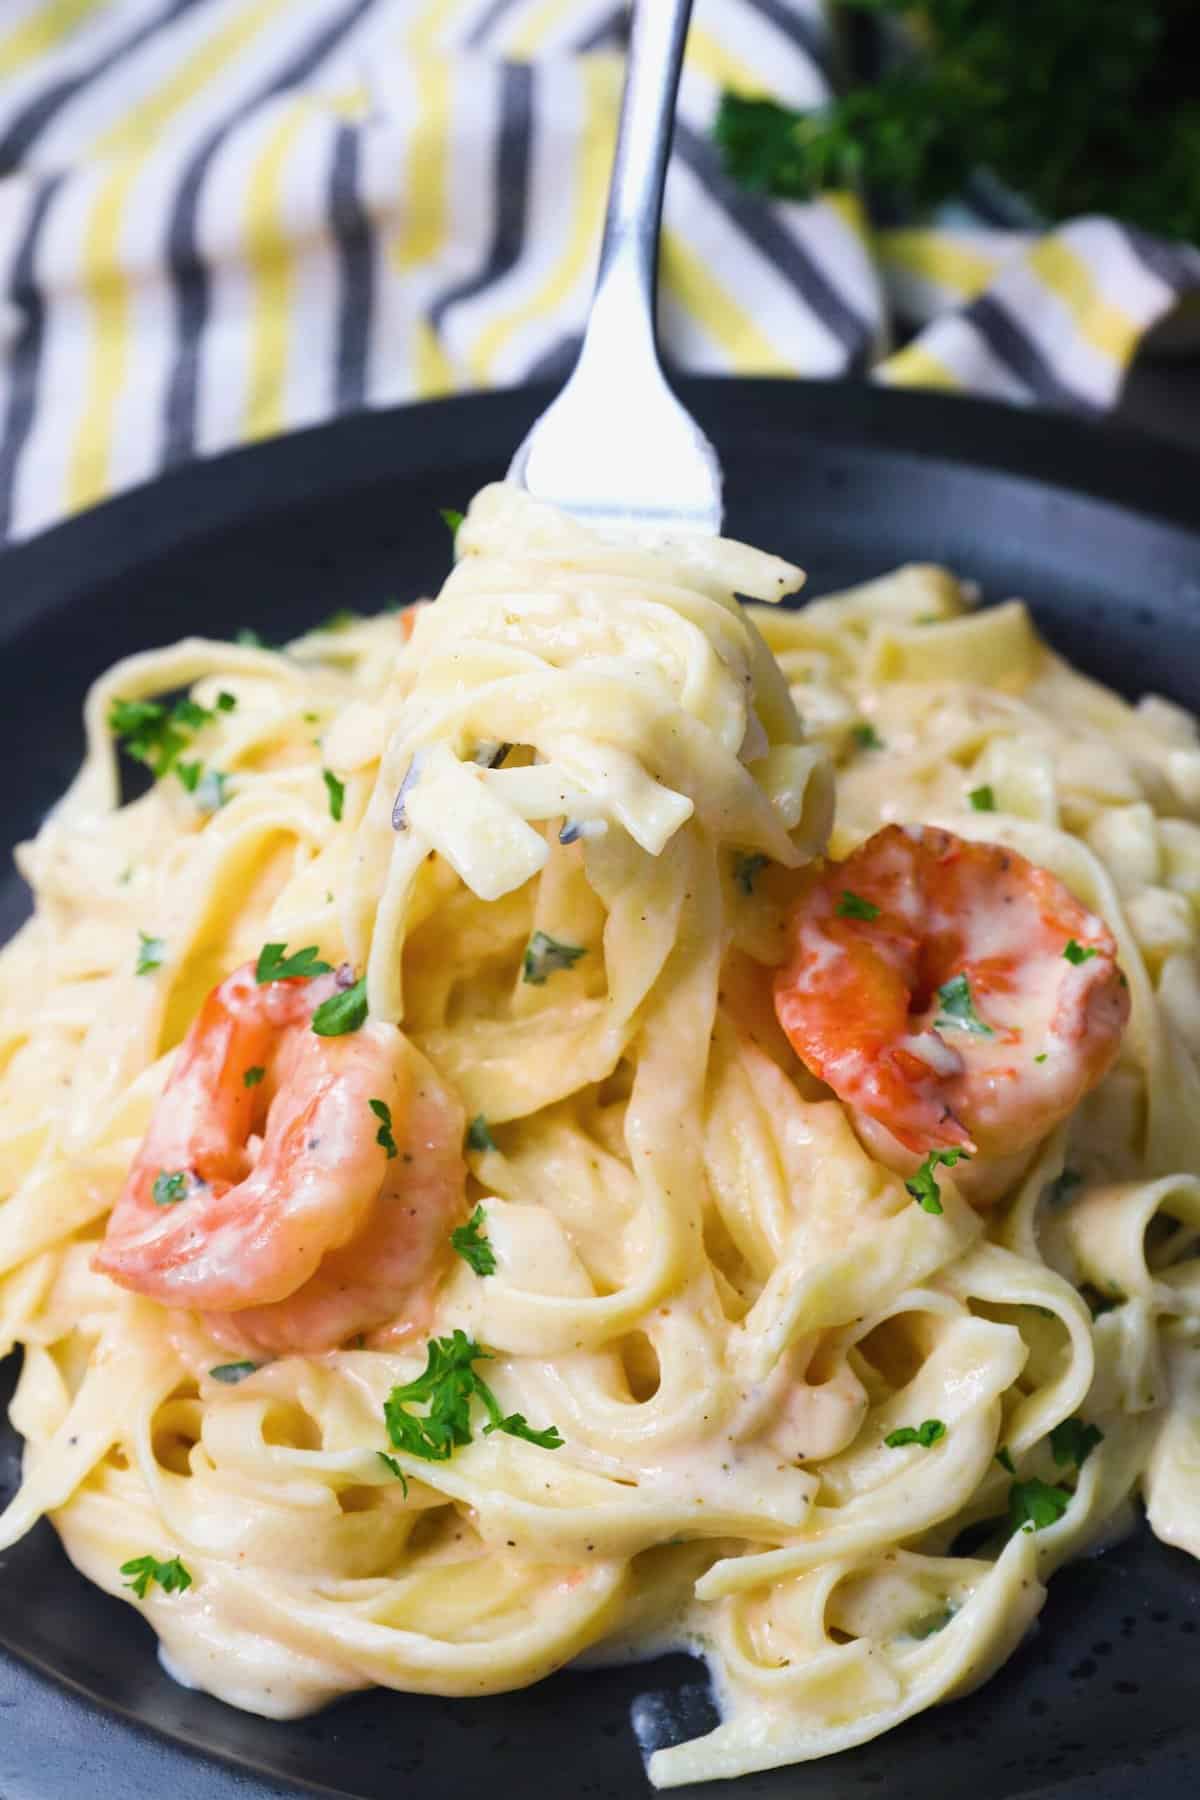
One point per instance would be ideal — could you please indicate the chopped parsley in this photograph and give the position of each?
(253, 1076)
(1075, 953)
(383, 1112)
(171, 1576)
(983, 799)
(1041, 1057)
(544, 955)
(342, 1013)
(1034, 1504)
(170, 1187)
(867, 738)
(451, 519)
(746, 870)
(151, 951)
(928, 1433)
(923, 1187)
(338, 621)
(157, 736)
(389, 1462)
(471, 1243)
(1073, 1441)
(446, 1389)
(337, 794)
(1004, 1458)
(958, 1009)
(853, 906)
(274, 964)
(232, 1373)
(479, 1137)
(250, 640)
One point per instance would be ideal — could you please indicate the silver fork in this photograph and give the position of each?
(615, 447)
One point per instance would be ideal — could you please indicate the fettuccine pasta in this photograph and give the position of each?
(691, 1352)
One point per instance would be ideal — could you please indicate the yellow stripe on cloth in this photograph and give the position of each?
(709, 57)
(270, 257)
(537, 27)
(589, 178)
(917, 367)
(937, 257)
(426, 213)
(41, 31)
(692, 284)
(146, 120)
(1068, 277)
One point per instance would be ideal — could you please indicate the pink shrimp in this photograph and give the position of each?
(261, 1194)
(950, 991)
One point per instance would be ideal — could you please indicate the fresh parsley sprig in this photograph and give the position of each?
(383, 1137)
(923, 1186)
(274, 964)
(544, 956)
(343, 1012)
(446, 1388)
(171, 1576)
(470, 1241)
(958, 1009)
(927, 1433)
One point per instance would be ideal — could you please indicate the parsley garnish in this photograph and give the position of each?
(746, 870)
(232, 1373)
(1034, 1504)
(472, 1245)
(1042, 1056)
(544, 955)
(151, 951)
(389, 1462)
(337, 794)
(867, 738)
(338, 621)
(250, 640)
(1072, 1442)
(478, 1135)
(923, 1187)
(1004, 1458)
(958, 1009)
(383, 1112)
(342, 1013)
(171, 1576)
(928, 1433)
(983, 799)
(170, 1187)
(274, 964)
(253, 1076)
(446, 1388)
(451, 519)
(156, 737)
(853, 906)
(1075, 953)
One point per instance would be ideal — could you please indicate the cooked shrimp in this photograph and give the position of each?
(950, 991)
(260, 1189)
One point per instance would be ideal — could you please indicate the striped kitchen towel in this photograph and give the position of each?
(223, 219)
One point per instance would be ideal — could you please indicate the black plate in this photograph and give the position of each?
(1095, 529)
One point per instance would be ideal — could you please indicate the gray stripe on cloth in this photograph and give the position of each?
(25, 353)
(479, 33)
(753, 218)
(1009, 344)
(354, 248)
(811, 36)
(188, 275)
(556, 363)
(609, 33)
(510, 204)
(22, 130)
(1176, 264)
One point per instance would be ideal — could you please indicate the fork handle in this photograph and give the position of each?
(623, 305)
